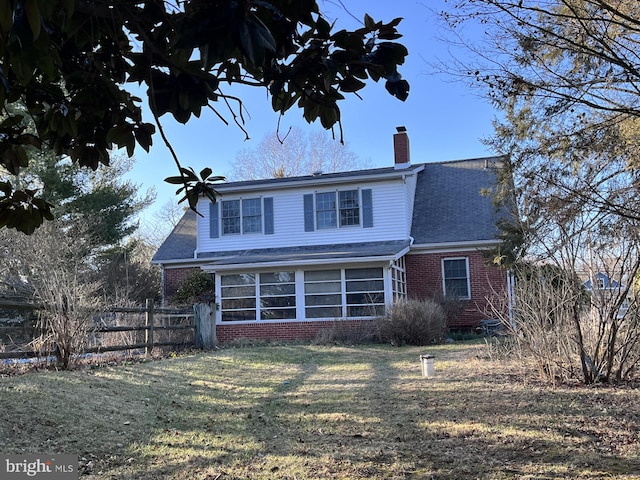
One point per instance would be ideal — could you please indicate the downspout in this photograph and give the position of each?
(162, 285)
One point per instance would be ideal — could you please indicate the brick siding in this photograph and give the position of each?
(285, 331)
(173, 277)
(424, 280)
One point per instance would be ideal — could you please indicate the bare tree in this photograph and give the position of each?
(572, 325)
(293, 154)
(55, 263)
(153, 231)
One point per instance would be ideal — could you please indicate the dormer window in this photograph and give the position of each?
(326, 213)
(349, 206)
(230, 217)
(251, 215)
(345, 208)
(241, 216)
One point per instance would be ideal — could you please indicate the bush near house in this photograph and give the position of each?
(198, 286)
(414, 322)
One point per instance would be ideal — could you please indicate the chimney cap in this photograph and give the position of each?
(401, 128)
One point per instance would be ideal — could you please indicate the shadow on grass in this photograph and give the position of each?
(319, 412)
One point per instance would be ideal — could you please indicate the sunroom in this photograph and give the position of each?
(352, 281)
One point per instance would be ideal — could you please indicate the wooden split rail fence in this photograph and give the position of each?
(157, 325)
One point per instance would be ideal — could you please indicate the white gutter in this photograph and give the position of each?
(300, 263)
(177, 261)
(326, 179)
(453, 246)
(324, 261)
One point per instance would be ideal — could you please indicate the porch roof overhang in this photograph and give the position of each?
(366, 252)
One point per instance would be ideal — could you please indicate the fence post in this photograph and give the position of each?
(205, 325)
(148, 322)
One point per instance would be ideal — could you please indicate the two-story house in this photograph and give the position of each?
(289, 256)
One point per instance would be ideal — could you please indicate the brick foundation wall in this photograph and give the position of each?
(424, 280)
(173, 277)
(287, 331)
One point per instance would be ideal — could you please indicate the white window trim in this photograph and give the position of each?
(337, 209)
(300, 300)
(242, 232)
(444, 287)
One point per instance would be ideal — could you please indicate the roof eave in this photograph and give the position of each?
(303, 263)
(327, 179)
(454, 246)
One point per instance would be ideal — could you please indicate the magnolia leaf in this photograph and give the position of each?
(205, 173)
(33, 16)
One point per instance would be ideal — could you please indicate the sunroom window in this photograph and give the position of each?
(278, 296)
(238, 294)
(323, 294)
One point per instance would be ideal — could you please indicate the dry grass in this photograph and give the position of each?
(315, 412)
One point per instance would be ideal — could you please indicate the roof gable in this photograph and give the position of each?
(450, 206)
(181, 243)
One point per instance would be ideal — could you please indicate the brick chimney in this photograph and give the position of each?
(401, 151)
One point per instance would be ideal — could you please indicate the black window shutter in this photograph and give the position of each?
(268, 216)
(214, 221)
(308, 213)
(367, 208)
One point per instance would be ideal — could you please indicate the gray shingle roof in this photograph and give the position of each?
(307, 179)
(181, 242)
(307, 253)
(449, 208)
(449, 205)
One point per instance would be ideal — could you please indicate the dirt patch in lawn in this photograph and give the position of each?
(310, 412)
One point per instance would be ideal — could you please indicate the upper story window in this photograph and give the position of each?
(349, 206)
(230, 217)
(251, 215)
(455, 275)
(344, 208)
(326, 214)
(241, 216)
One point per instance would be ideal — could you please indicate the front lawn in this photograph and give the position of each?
(314, 412)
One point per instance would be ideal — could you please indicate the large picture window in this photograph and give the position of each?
(455, 273)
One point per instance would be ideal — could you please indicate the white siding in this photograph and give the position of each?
(412, 182)
(389, 220)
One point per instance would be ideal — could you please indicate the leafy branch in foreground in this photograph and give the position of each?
(67, 63)
(193, 187)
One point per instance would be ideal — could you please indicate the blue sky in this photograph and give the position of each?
(445, 119)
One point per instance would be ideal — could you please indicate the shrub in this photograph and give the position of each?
(414, 322)
(198, 286)
(346, 333)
